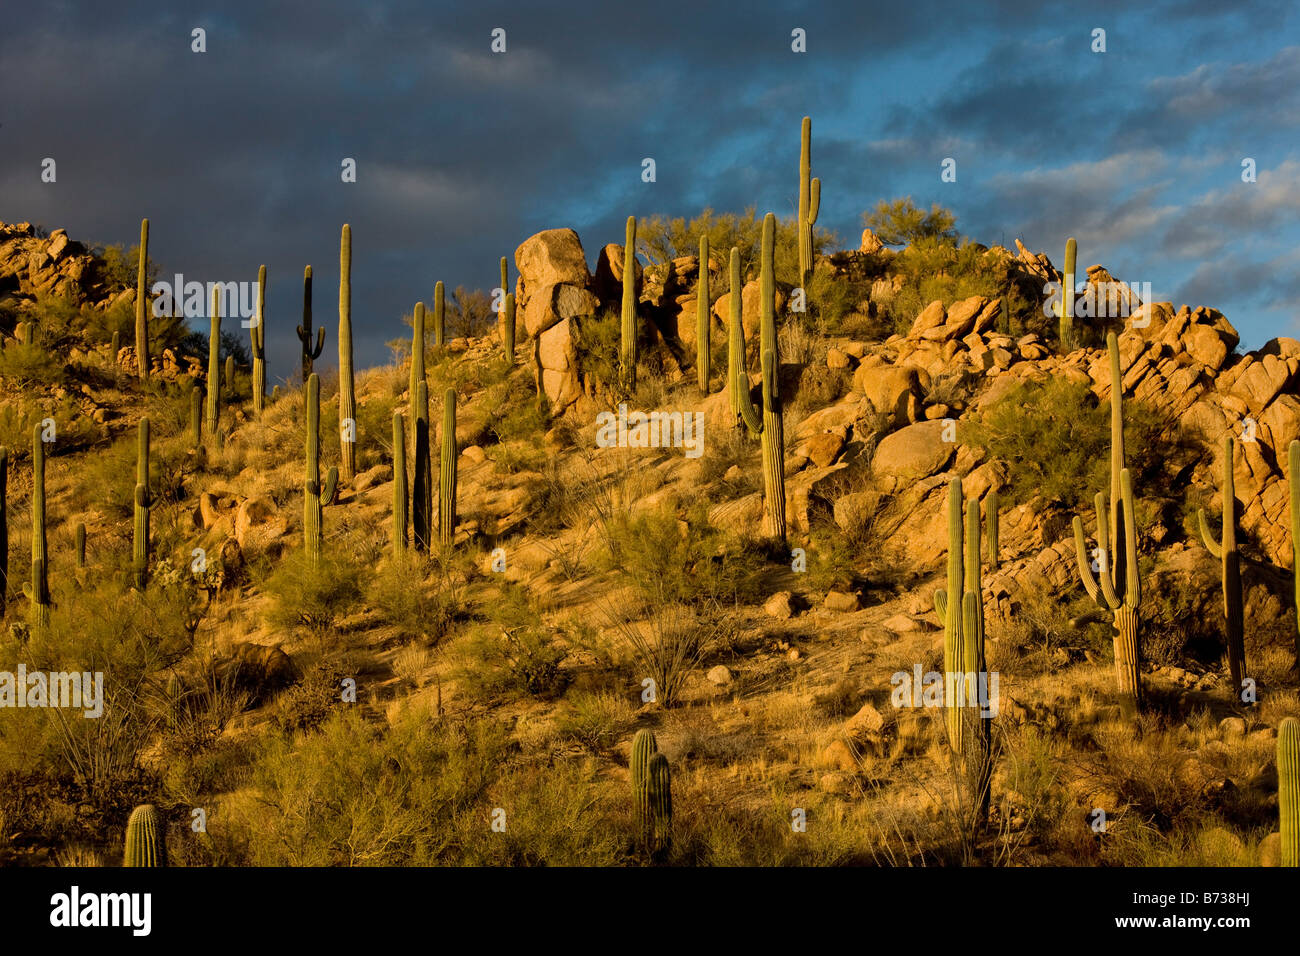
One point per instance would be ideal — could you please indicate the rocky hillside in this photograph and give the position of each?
(514, 661)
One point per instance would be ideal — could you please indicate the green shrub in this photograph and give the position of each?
(314, 597)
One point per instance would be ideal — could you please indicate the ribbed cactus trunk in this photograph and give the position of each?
(628, 342)
(810, 194)
(508, 333)
(439, 315)
(422, 490)
(703, 356)
(505, 289)
(214, 367)
(310, 352)
(995, 558)
(447, 472)
(399, 488)
(737, 376)
(1288, 789)
(773, 419)
(315, 495)
(1066, 330)
(651, 792)
(143, 503)
(258, 335)
(977, 736)
(38, 592)
(196, 417)
(417, 374)
(145, 845)
(1293, 480)
(1225, 550)
(949, 607)
(142, 306)
(347, 397)
(229, 378)
(79, 543)
(4, 529)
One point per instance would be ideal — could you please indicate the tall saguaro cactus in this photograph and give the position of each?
(417, 353)
(144, 839)
(1117, 585)
(1293, 480)
(142, 306)
(422, 490)
(1067, 296)
(810, 198)
(315, 494)
(38, 591)
(4, 529)
(771, 427)
(310, 353)
(1225, 549)
(1288, 789)
(508, 332)
(143, 504)
(258, 334)
(347, 396)
(447, 471)
(628, 343)
(505, 289)
(214, 366)
(439, 314)
(702, 354)
(399, 488)
(995, 557)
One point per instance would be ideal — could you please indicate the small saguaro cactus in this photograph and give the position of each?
(80, 544)
(628, 343)
(143, 504)
(508, 332)
(257, 332)
(1293, 479)
(1225, 549)
(399, 488)
(439, 314)
(447, 471)
(347, 395)
(145, 845)
(214, 367)
(38, 591)
(196, 417)
(1288, 789)
(651, 791)
(4, 528)
(702, 343)
(229, 377)
(1067, 296)
(315, 494)
(142, 306)
(995, 558)
(422, 489)
(771, 428)
(310, 353)
(810, 197)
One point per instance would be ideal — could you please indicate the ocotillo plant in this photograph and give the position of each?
(771, 428)
(1288, 789)
(143, 504)
(991, 516)
(702, 354)
(145, 845)
(439, 315)
(447, 471)
(4, 529)
(258, 334)
(214, 366)
(399, 488)
(141, 307)
(80, 541)
(627, 344)
(508, 332)
(1117, 585)
(1293, 479)
(1225, 550)
(810, 196)
(1067, 296)
(315, 495)
(422, 489)
(309, 353)
(347, 396)
(38, 591)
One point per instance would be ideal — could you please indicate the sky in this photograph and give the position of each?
(234, 154)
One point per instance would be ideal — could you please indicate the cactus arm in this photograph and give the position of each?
(1085, 563)
(816, 200)
(941, 603)
(1133, 581)
(331, 488)
(1207, 535)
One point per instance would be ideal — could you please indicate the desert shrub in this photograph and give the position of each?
(19, 414)
(309, 702)
(899, 222)
(409, 601)
(596, 720)
(314, 597)
(668, 642)
(31, 365)
(524, 659)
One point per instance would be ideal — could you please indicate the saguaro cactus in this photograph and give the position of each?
(4, 528)
(995, 558)
(229, 377)
(628, 343)
(1067, 296)
(810, 197)
(309, 353)
(651, 791)
(1226, 550)
(258, 334)
(315, 495)
(1288, 789)
(214, 366)
(505, 289)
(38, 591)
(80, 544)
(771, 428)
(196, 417)
(439, 314)
(447, 471)
(1117, 585)
(145, 845)
(347, 397)
(737, 376)
(951, 611)
(702, 354)
(1293, 479)
(142, 306)
(508, 332)
(399, 487)
(422, 491)
(417, 354)
(143, 504)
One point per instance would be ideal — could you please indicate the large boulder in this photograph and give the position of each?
(608, 280)
(557, 352)
(751, 302)
(892, 390)
(916, 451)
(552, 257)
(554, 304)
